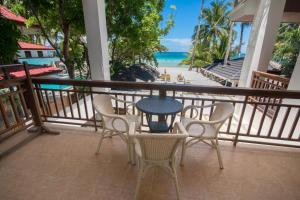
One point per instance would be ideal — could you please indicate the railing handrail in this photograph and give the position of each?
(11, 82)
(272, 76)
(290, 94)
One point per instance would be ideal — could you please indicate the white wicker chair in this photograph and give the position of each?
(114, 124)
(158, 150)
(202, 131)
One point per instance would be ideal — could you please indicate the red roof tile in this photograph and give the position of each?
(36, 72)
(26, 45)
(6, 13)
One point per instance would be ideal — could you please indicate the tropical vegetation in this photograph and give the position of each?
(211, 35)
(8, 43)
(134, 30)
(287, 47)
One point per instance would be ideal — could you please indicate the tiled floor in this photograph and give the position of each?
(65, 167)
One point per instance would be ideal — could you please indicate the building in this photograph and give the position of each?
(229, 74)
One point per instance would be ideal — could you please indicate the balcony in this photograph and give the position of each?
(256, 146)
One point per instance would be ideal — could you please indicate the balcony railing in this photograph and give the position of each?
(73, 105)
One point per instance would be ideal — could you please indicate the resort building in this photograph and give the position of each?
(41, 58)
(229, 74)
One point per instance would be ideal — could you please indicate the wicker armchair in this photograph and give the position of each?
(157, 150)
(202, 131)
(114, 124)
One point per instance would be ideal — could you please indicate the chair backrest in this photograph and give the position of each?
(103, 104)
(221, 113)
(159, 146)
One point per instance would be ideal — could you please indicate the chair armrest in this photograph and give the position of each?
(196, 106)
(129, 103)
(115, 117)
(131, 131)
(123, 101)
(178, 127)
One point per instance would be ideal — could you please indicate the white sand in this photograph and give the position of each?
(191, 76)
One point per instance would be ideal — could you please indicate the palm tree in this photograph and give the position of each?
(216, 22)
(195, 41)
(209, 34)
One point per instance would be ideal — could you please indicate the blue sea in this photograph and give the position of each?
(170, 59)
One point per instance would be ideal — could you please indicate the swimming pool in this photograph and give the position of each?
(39, 61)
(56, 86)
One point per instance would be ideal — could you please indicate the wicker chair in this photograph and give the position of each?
(202, 131)
(157, 150)
(114, 124)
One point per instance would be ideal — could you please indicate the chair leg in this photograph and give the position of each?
(133, 155)
(175, 178)
(129, 151)
(100, 141)
(219, 154)
(140, 176)
(182, 153)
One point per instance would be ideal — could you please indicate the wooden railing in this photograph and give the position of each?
(14, 112)
(248, 124)
(267, 81)
(72, 104)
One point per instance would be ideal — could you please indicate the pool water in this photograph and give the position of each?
(39, 61)
(56, 86)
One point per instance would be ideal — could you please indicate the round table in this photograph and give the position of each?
(163, 107)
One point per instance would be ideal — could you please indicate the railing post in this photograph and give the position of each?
(33, 105)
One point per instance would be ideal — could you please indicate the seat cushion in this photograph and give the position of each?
(196, 130)
(120, 124)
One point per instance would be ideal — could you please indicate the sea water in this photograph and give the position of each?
(170, 59)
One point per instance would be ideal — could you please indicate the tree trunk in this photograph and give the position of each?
(228, 43)
(65, 25)
(195, 42)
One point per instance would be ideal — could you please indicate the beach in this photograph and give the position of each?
(169, 62)
(192, 77)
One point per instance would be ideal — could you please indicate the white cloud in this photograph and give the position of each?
(177, 44)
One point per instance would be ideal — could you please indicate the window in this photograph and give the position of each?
(28, 54)
(40, 54)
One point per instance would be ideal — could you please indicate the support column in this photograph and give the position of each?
(262, 39)
(95, 25)
(295, 81)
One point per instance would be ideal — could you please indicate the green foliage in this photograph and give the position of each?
(62, 23)
(213, 36)
(287, 47)
(8, 41)
(134, 30)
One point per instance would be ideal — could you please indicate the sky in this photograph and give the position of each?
(186, 18)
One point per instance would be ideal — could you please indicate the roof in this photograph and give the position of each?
(6, 13)
(30, 46)
(35, 72)
(232, 70)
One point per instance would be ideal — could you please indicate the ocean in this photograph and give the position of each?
(165, 59)
(170, 59)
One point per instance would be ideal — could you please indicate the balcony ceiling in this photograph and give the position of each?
(245, 11)
(65, 167)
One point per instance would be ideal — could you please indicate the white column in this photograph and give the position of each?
(262, 39)
(295, 79)
(95, 25)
